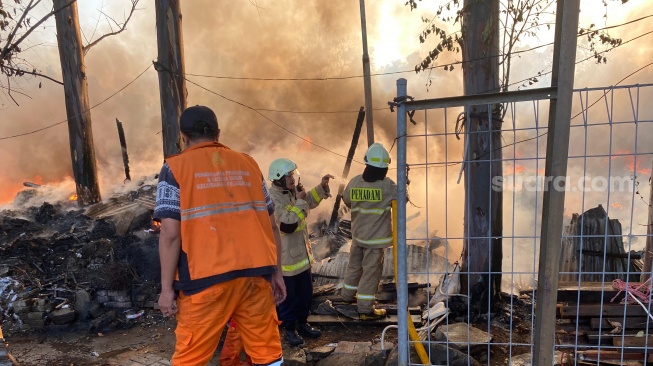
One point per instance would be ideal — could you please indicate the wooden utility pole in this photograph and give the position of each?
(345, 171)
(648, 253)
(369, 121)
(170, 65)
(483, 224)
(78, 111)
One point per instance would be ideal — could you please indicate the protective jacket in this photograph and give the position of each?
(225, 226)
(291, 212)
(370, 203)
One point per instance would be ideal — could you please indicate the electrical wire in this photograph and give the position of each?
(269, 119)
(66, 120)
(587, 31)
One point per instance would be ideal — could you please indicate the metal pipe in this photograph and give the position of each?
(402, 275)
(562, 77)
(419, 347)
(367, 81)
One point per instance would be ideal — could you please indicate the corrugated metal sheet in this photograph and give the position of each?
(332, 270)
(597, 243)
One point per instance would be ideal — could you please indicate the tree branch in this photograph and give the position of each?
(122, 28)
(13, 32)
(9, 91)
(32, 73)
(9, 48)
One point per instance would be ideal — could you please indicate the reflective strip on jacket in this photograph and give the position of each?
(296, 254)
(371, 219)
(225, 226)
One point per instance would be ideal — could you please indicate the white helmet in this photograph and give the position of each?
(281, 167)
(377, 156)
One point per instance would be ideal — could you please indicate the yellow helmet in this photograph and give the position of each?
(280, 167)
(377, 156)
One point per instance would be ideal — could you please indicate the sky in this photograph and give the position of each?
(308, 39)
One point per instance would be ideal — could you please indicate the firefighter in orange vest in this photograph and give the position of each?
(292, 204)
(219, 247)
(369, 196)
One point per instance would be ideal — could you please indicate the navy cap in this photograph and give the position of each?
(198, 119)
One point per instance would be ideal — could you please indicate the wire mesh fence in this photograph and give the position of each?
(604, 311)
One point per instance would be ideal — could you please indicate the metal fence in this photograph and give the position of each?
(606, 220)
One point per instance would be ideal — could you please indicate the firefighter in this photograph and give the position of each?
(369, 196)
(217, 247)
(292, 204)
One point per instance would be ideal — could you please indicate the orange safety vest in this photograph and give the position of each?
(225, 225)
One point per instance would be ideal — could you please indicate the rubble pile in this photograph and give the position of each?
(61, 265)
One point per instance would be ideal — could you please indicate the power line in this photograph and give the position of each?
(314, 112)
(268, 118)
(66, 120)
(579, 113)
(408, 71)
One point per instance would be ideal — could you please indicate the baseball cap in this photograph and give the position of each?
(198, 119)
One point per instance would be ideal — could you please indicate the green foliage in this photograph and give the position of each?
(519, 19)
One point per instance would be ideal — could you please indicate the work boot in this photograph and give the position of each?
(376, 314)
(305, 329)
(291, 336)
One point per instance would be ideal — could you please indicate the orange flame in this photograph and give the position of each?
(618, 205)
(73, 197)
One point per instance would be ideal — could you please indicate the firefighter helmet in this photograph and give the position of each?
(280, 167)
(377, 156)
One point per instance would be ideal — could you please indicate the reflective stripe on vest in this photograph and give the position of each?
(350, 287)
(316, 196)
(365, 297)
(222, 208)
(298, 211)
(375, 241)
(371, 211)
(298, 265)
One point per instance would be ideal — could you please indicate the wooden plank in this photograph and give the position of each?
(630, 323)
(320, 290)
(608, 355)
(589, 292)
(606, 337)
(634, 342)
(334, 320)
(595, 310)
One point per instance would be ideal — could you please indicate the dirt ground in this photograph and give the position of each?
(151, 339)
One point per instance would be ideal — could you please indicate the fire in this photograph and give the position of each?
(629, 159)
(73, 197)
(306, 145)
(618, 205)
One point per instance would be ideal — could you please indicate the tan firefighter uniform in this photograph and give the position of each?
(296, 254)
(371, 223)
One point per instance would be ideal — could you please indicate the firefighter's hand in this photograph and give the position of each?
(167, 302)
(325, 181)
(301, 194)
(278, 288)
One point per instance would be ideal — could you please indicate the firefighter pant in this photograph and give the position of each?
(201, 319)
(297, 306)
(363, 276)
(230, 355)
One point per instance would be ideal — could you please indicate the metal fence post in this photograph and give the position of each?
(402, 276)
(564, 57)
